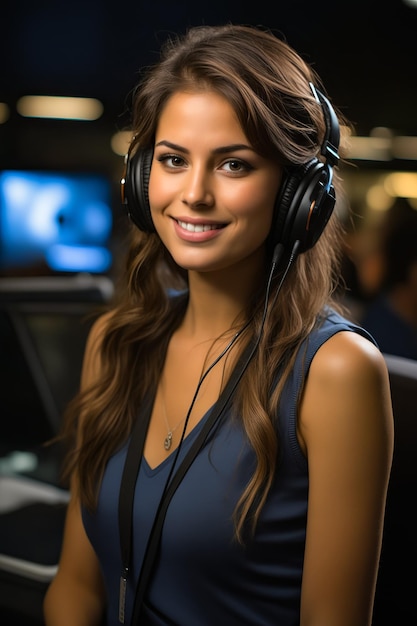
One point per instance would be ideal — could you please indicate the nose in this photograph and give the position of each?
(197, 191)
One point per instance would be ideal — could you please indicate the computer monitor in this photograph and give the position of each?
(54, 222)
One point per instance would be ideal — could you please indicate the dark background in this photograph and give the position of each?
(364, 50)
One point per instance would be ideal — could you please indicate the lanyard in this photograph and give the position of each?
(129, 477)
(126, 494)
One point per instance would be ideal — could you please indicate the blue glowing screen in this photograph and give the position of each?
(61, 221)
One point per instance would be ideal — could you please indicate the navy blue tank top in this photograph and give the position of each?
(203, 576)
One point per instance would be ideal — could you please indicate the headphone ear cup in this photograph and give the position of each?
(304, 206)
(136, 189)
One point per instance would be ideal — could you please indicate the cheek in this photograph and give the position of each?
(255, 205)
(160, 196)
(162, 187)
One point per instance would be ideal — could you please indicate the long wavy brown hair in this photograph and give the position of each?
(267, 83)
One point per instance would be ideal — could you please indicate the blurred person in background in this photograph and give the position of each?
(390, 314)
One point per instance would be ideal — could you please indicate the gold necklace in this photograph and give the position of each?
(168, 438)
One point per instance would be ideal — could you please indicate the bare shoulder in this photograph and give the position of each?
(349, 356)
(347, 390)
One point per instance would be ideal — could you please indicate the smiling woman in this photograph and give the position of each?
(216, 471)
(209, 186)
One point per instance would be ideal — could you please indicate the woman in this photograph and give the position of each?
(224, 349)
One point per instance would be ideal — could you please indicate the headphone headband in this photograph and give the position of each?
(330, 145)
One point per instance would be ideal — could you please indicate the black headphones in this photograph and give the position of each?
(304, 204)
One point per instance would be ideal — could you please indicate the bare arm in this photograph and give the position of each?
(346, 427)
(76, 594)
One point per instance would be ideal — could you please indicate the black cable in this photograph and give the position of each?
(172, 482)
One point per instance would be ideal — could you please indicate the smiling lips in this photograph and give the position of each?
(198, 228)
(197, 232)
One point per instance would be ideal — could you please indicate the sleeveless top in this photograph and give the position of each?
(203, 576)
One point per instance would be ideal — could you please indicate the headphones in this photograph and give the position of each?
(304, 203)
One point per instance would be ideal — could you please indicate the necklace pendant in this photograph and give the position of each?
(168, 441)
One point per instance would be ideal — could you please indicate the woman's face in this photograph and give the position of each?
(211, 195)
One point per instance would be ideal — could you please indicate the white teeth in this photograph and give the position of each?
(197, 228)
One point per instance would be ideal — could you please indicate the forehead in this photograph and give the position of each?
(203, 112)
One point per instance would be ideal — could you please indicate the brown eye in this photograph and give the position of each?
(177, 161)
(171, 160)
(236, 166)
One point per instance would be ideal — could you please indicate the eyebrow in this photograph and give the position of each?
(234, 147)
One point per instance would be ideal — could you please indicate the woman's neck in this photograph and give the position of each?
(218, 300)
(213, 309)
